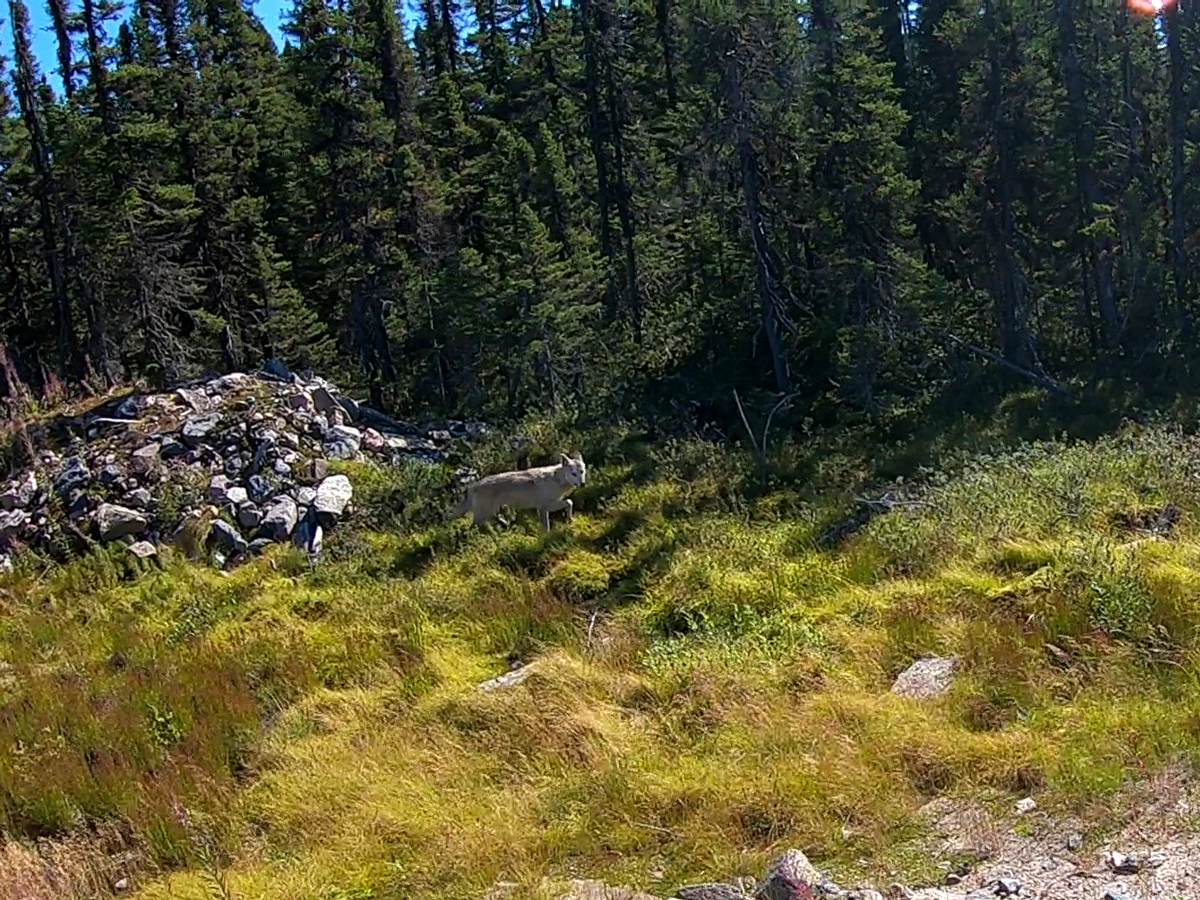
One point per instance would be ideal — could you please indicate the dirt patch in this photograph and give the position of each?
(1143, 844)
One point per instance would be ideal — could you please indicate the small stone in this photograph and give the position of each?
(713, 891)
(1007, 887)
(290, 440)
(197, 429)
(281, 468)
(75, 476)
(21, 493)
(236, 496)
(121, 884)
(1075, 842)
(218, 488)
(374, 441)
(509, 680)
(195, 399)
(233, 466)
(260, 489)
(309, 535)
(929, 677)
(953, 878)
(249, 516)
(171, 448)
(342, 442)
(144, 460)
(143, 549)
(301, 400)
(110, 475)
(139, 498)
(12, 523)
(305, 496)
(314, 470)
(323, 400)
(229, 537)
(791, 877)
(114, 521)
(276, 369)
(258, 545)
(333, 494)
(279, 520)
(1026, 805)
(128, 409)
(1117, 894)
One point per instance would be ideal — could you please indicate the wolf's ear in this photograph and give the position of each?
(566, 460)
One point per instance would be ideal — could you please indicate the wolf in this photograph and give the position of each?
(544, 488)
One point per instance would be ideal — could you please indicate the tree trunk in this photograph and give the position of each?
(748, 165)
(1179, 115)
(1098, 251)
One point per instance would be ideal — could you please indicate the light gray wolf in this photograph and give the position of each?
(544, 488)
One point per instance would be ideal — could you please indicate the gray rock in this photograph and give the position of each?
(714, 891)
(230, 381)
(139, 498)
(929, 677)
(332, 496)
(511, 680)
(1117, 894)
(143, 549)
(110, 475)
(1075, 842)
(236, 496)
(228, 537)
(373, 441)
(1026, 805)
(249, 516)
(194, 399)
(342, 442)
(281, 468)
(314, 470)
(305, 496)
(21, 493)
(791, 877)
(1007, 887)
(276, 369)
(308, 535)
(114, 521)
(74, 477)
(218, 488)
(279, 520)
(128, 408)
(171, 448)
(1133, 863)
(260, 489)
(144, 460)
(258, 545)
(196, 429)
(234, 465)
(323, 400)
(301, 400)
(12, 523)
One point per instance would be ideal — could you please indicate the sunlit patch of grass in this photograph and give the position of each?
(706, 684)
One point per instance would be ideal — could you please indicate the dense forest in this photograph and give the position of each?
(638, 205)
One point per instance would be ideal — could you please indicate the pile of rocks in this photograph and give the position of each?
(247, 454)
(791, 877)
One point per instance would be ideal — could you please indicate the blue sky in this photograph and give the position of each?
(44, 44)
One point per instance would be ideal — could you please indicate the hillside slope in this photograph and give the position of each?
(703, 683)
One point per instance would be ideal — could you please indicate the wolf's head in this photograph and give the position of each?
(572, 470)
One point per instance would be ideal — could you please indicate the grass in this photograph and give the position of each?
(709, 685)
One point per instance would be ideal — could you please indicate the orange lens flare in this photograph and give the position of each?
(1150, 7)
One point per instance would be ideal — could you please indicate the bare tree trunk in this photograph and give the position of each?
(748, 165)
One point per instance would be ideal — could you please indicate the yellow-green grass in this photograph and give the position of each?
(709, 686)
